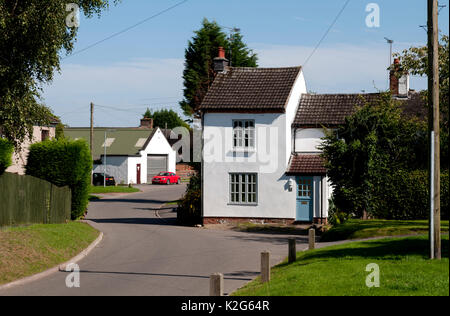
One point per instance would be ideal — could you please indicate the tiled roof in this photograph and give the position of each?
(306, 164)
(251, 90)
(331, 109)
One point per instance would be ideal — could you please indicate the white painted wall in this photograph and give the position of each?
(307, 140)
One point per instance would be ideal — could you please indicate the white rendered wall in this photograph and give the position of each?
(307, 140)
(268, 161)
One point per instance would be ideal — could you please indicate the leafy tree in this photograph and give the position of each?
(32, 35)
(373, 142)
(199, 72)
(163, 117)
(415, 61)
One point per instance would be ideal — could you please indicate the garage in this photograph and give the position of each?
(156, 164)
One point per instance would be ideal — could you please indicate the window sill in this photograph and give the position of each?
(244, 150)
(242, 204)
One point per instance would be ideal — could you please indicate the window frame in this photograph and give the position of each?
(239, 181)
(243, 134)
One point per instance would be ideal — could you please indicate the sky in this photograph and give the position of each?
(142, 67)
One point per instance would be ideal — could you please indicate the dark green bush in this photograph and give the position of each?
(404, 196)
(64, 162)
(6, 151)
(189, 209)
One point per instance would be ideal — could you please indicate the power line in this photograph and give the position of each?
(127, 29)
(326, 33)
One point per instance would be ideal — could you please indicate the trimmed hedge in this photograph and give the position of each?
(404, 196)
(6, 151)
(64, 162)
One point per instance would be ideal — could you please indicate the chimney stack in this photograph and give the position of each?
(220, 62)
(399, 86)
(147, 123)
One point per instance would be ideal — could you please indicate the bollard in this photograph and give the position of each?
(265, 266)
(292, 250)
(216, 284)
(312, 238)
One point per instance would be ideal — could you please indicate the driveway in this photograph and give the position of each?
(143, 252)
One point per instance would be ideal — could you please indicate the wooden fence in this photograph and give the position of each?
(29, 200)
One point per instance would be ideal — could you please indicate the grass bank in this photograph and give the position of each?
(112, 189)
(360, 229)
(25, 251)
(341, 271)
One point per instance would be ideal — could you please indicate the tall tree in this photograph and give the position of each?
(32, 35)
(199, 73)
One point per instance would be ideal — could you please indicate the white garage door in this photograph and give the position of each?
(155, 165)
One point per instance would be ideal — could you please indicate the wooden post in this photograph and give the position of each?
(265, 266)
(216, 284)
(433, 125)
(91, 138)
(292, 250)
(312, 238)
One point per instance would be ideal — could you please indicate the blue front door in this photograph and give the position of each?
(304, 199)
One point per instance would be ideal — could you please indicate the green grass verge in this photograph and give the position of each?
(112, 189)
(360, 229)
(341, 271)
(28, 250)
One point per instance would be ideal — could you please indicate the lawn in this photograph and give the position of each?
(28, 250)
(112, 189)
(359, 229)
(341, 271)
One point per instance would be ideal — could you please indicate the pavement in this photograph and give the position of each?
(145, 253)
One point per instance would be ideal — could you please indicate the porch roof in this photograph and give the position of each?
(306, 164)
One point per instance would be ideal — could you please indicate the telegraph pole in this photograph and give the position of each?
(91, 138)
(433, 126)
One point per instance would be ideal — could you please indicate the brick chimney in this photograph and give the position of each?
(220, 62)
(146, 123)
(399, 86)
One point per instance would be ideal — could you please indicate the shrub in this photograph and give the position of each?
(404, 196)
(64, 162)
(6, 151)
(189, 208)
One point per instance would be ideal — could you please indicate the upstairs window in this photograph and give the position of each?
(243, 133)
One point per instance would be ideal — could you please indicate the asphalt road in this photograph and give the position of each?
(143, 252)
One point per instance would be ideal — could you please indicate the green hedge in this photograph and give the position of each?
(64, 162)
(189, 208)
(404, 196)
(6, 151)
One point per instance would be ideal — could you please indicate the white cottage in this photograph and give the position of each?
(133, 155)
(261, 137)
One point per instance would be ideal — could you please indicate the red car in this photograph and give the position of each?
(166, 178)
